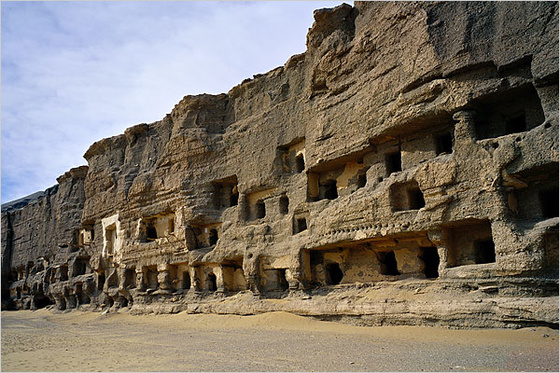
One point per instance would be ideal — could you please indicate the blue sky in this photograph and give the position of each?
(76, 72)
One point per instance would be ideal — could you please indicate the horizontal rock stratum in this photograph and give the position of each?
(403, 170)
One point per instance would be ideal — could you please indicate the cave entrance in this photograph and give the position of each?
(393, 162)
(110, 239)
(151, 277)
(260, 209)
(225, 192)
(444, 143)
(430, 257)
(157, 226)
(81, 296)
(100, 280)
(300, 163)
(212, 237)
(282, 282)
(334, 274)
(42, 301)
(80, 266)
(406, 196)
(300, 222)
(284, 204)
(388, 263)
(549, 200)
(516, 124)
(503, 113)
(328, 190)
(151, 232)
(211, 282)
(186, 280)
(484, 251)
(275, 279)
(130, 278)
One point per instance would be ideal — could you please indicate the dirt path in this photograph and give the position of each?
(76, 341)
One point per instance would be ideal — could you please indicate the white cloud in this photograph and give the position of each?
(75, 72)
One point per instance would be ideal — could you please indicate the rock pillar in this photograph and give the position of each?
(140, 279)
(164, 278)
(220, 285)
(437, 238)
(465, 127)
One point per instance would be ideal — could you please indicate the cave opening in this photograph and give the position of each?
(334, 274)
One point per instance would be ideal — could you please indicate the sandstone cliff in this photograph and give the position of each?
(404, 169)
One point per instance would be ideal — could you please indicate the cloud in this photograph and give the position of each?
(75, 72)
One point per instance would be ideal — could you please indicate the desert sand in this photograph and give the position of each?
(89, 341)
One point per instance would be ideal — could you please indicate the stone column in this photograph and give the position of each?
(195, 278)
(89, 288)
(60, 302)
(57, 274)
(251, 266)
(253, 284)
(122, 277)
(164, 282)
(140, 286)
(220, 286)
(70, 299)
(243, 207)
(294, 283)
(183, 282)
(33, 303)
(438, 239)
(465, 126)
(300, 270)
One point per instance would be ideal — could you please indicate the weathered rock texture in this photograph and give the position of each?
(403, 170)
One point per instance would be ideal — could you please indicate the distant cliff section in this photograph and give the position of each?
(403, 170)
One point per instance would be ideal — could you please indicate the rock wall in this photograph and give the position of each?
(39, 238)
(403, 170)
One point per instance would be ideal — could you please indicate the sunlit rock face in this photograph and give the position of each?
(403, 170)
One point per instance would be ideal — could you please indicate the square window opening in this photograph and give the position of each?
(300, 225)
(283, 205)
(406, 196)
(393, 162)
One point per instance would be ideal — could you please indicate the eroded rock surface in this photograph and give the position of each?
(403, 170)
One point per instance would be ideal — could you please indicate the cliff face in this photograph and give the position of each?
(40, 234)
(404, 169)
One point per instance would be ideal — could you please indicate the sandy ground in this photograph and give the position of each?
(78, 341)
